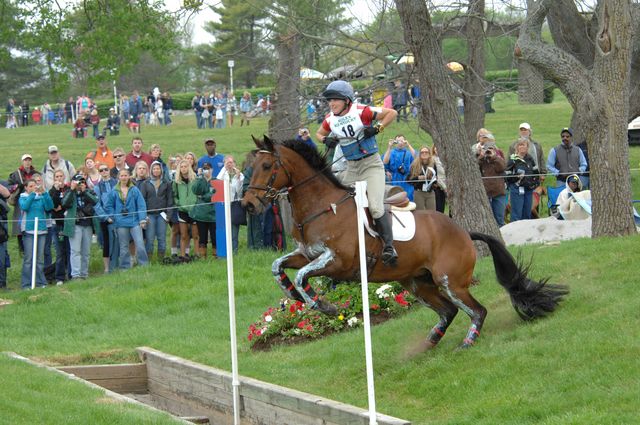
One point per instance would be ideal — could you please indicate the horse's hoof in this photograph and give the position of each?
(326, 308)
(464, 346)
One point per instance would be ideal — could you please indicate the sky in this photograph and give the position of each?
(363, 7)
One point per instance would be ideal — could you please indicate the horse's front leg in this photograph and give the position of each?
(316, 267)
(293, 260)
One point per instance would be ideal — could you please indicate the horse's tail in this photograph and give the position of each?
(529, 298)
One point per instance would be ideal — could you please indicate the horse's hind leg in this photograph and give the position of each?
(293, 260)
(461, 297)
(429, 295)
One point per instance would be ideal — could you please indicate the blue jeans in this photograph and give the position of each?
(124, 235)
(52, 233)
(156, 228)
(209, 120)
(498, 206)
(3, 264)
(80, 249)
(63, 256)
(167, 117)
(520, 204)
(27, 262)
(199, 122)
(235, 230)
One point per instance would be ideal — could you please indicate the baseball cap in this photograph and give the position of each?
(525, 125)
(566, 130)
(209, 140)
(100, 136)
(25, 156)
(52, 149)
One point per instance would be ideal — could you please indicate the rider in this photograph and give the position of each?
(352, 126)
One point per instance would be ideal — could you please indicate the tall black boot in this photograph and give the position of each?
(389, 254)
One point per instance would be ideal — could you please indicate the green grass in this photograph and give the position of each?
(577, 366)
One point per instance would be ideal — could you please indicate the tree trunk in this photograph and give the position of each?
(473, 89)
(285, 118)
(466, 195)
(599, 96)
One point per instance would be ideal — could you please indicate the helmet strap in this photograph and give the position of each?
(347, 105)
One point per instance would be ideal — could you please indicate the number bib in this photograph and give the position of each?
(349, 129)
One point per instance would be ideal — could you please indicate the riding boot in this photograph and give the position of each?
(389, 254)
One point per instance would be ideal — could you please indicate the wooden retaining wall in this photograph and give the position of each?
(183, 388)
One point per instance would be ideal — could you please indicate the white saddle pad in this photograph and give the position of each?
(404, 225)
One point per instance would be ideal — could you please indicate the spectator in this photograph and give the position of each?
(236, 179)
(523, 180)
(566, 159)
(69, 110)
(220, 103)
(107, 231)
(573, 199)
(45, 113)
(119, 163)
(184, 199)
(94, 119)
(127, 210)
(48, 260)
(197, 106)
(483, 136)
(24, 109)
(246, 107)
(167, 101)
(125, 108)
(535, 149)
(422, 175)
(17, 181)
(400, 96)
(34, 203)
(102, 153)
(191, 157)
(440, 186)
(159, 110)
(79, 126)
(141, 173)
(397, 160)
(79, 203)
(203, 212)
(4, 233)
(137, 154)
(135, 106)
(305, 137)
(63, 248)
(113, 124)
(36, 115)
(156, 154)
(216, 161)
(208, 111)
(492, 166)
(55, 163)
(158, 197)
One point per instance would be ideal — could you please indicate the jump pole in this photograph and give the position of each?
(361, 202)
(235, 381)
(34, 255)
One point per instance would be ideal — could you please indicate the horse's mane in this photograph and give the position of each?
(315, 160)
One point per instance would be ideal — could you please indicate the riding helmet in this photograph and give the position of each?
(339, 89)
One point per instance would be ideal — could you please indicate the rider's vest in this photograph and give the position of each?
(349, 129)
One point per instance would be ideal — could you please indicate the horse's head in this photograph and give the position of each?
(268, 177)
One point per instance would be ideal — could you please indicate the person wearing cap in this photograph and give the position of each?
(34, 202)
(137, 154)
(483, 136)
(79, 202)
(113, 123)
(216, 160)
(566, 158)
(4, 233)
(102, 153)
(535, 149)
(354, 127)
(492, 168)
(16, 182)
(54, 163)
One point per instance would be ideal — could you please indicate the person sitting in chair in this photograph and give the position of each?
(113, 123)
(352, 126)
(573, 202)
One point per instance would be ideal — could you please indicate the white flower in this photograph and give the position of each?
(381, 292)
(268, 318)
(352, 322)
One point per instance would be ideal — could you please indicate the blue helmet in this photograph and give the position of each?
(339, 90)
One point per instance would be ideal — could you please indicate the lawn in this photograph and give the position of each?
(577, 366)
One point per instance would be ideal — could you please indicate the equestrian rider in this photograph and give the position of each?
(352, 126)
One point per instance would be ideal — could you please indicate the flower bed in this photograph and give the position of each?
(293, 322)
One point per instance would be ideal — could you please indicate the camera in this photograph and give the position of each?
(401, 169)
(124, 212)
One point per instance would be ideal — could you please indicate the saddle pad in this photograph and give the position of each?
(404, 225)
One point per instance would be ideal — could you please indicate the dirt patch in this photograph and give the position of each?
(116, 355)
(278, 341)
(4, 302)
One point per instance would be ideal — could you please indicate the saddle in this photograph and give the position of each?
(397, 200)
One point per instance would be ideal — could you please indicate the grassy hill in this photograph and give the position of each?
(577, 366)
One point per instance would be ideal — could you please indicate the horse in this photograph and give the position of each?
(436, 266)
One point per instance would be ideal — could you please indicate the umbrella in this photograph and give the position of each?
(455, 66)
(310, 74)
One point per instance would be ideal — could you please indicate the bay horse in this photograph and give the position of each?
(436, 266)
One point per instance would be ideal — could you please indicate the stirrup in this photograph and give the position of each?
(389, 256)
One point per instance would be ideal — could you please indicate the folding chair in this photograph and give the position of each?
(636, 216)
(552, 194)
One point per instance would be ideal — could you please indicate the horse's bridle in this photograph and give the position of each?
(270, 192)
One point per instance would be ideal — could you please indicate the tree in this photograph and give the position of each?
(439, 117)
(473, 89)
(595, 78)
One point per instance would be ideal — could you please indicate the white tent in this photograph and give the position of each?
(311, 74)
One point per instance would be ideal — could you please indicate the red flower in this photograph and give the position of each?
(375, 307)
(309, 328)
(302, 324)
(400, 299)
(250, 336)
(292, 308)
(299, 305)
